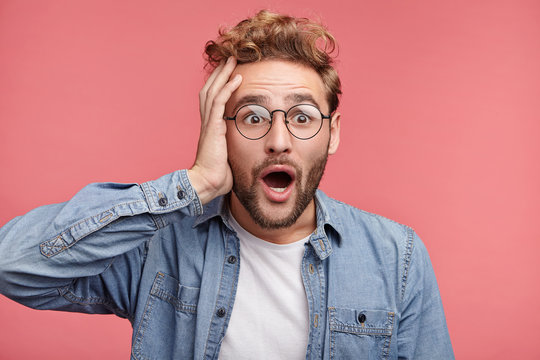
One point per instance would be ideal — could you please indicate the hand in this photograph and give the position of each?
(211, 175)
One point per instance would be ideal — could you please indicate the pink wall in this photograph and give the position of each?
(440, 131)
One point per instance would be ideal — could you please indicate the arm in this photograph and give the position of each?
(422, 333)
(76, 256)
(44, 251)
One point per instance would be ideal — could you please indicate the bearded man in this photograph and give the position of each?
(241, 256)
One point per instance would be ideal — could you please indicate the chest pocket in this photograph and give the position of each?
(170, 311)
(360, 334)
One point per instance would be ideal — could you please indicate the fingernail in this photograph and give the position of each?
(229, 59)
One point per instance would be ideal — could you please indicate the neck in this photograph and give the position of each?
(303, 227)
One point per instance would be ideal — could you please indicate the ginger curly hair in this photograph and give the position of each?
(268, 35)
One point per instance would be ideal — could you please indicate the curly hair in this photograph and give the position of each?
(269, 35)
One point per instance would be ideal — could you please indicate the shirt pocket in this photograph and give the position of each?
(167, 326)
(360, 333)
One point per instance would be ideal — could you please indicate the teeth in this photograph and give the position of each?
(278, 189)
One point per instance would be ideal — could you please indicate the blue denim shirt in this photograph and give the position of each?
(152, 254)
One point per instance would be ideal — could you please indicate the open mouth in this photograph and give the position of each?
(278, 181)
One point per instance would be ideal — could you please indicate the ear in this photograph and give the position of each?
(334, 133)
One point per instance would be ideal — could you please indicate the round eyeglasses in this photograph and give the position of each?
(303, 121)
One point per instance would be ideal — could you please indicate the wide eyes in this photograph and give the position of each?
(303, 115)
(253, 118)
(299, 119)
(294, 117)
(254, 121)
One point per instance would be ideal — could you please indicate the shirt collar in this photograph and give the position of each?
(327, 221)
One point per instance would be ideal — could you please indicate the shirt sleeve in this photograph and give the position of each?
(87, 254)
(422, 332)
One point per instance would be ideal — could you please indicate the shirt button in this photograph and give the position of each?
(180, 194)
(221, 312)
(361, 318)
(162, 201)
(231, 259)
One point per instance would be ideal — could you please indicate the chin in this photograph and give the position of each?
(274, 215)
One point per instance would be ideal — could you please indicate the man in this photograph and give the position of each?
(240, 256)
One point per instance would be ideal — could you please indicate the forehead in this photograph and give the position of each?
(280, 83)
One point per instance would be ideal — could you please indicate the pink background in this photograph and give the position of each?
(440, 131)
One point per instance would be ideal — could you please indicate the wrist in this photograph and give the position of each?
(204, 190)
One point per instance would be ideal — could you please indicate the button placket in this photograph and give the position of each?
(314, 283)
(226, 293)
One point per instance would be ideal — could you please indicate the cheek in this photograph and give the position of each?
(319, 146)
(232, 138)
(239, 149)
(312, 155)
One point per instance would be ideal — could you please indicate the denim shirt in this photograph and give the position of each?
(153, 254)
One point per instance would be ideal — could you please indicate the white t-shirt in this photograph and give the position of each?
(270, 317)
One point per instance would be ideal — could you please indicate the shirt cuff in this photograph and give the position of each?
(172, 192)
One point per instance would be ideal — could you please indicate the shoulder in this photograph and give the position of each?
(384, 245)
(386, 239)
(350, 219)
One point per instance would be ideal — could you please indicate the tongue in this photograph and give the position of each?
(277, 180)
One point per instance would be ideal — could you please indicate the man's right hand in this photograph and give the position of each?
(211, 175)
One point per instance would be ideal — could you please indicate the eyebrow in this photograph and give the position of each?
(301, 98)
(251, 99)
(297, 98)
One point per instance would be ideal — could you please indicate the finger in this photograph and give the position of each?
(221, 79)
(207, 84)
(219, 102)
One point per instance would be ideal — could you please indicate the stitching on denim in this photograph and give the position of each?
(383, 333)
(54, 246)
(322, 305)
(407, 261)
(310, 288)
(94, 300)
(51, 247)
(170, 206)
(148, 194)
(331, 314)
(137, 343)
(158, 221)
(359, 330)
(367, 212)
(106, 217)
(174, 301)
(219, 291)
(194, 198)
(109, 209)
(235, 279)
(388, 340)
(362, 329)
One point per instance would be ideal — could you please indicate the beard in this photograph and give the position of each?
(247, 192)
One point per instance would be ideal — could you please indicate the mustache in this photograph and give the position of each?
(281, 160)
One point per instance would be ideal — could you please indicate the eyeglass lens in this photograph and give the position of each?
(254, 121)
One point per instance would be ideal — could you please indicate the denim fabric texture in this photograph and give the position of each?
(152, 254)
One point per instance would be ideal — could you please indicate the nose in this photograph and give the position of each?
(278, 139)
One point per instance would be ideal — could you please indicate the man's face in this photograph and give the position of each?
(276, 176)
